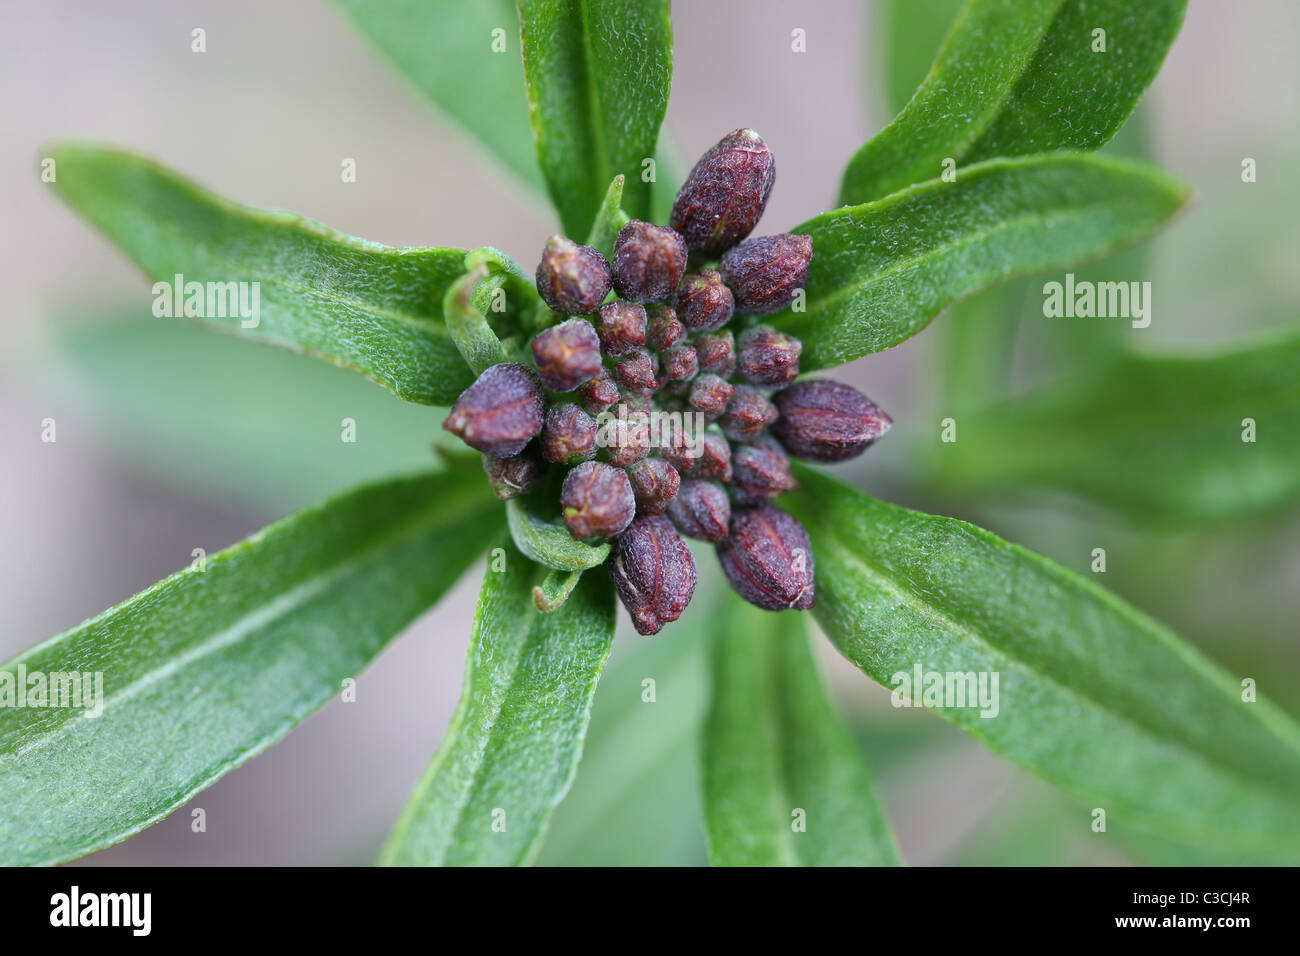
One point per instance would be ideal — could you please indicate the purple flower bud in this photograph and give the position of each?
(768, 559)
(638, 371)
(511, 477)
(765, 274)
(621, 327)
(569, 436)
(572, 279)
(653, 572)
(567, 354)
(599, 393)
(724, 195)
(701, 510)
(704, 303)
(680, 363)
(501, 412)
(747, 414)
(654, 483)
(710, 458)
(768, 357)
(710, 394)
(760, 472)
(717, 352)
(597, 499)
(825, 420)
(664, 329)
(627, 438)
(648, 261)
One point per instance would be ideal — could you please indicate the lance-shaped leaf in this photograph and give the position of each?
(1016, 77)
(212, 665)
(549, 542)
(1091, 694)
(354, 303)
(909, 34)
(513, 746)
(597, 74)
(1174, 438)
(784, 784)
(882, 270)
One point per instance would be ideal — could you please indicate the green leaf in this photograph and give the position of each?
(212, 665)
(1092, 696)
(610, 218)
(549, 543)
(911, 33)
(465, 305)
(445, 48)
(1016, 77)
(358, 304)
(597, 74)
(514, 743)
(777, 757)
(1158, 437)
(555, 589)
(882, 270)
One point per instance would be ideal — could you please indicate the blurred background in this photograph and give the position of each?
(171, 439)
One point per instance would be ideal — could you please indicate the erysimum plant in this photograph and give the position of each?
(661, 301)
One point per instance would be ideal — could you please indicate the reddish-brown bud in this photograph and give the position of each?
(710, 394)
(567, 354)
(569, 436)
(511, 477)
(825, 420)
(638, 371)
(599, 393)
(714, 460)
(627, 435)
(680, 363)
(760, 472)
(648, 261)
(768, 559)
(572, 279)
(717, 352)
(663, 328)
(653, 572)
(701, 510)
(501, 412)
(768, 357)
(747, 414)
(621, 327)
(704, 303)
(765, 274)
(597, 500)
(724, 195)
(654, 483)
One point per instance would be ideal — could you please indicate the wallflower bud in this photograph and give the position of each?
(599, 393)
(572, 279)
(569, 435)
(663, 328)
(511, 477)
(680, 363)
(653, 572)
(704, 303)
(825, 420)
(501, 412)
(654, 484)
(648, 261)
(597, 500)
(717, 352)
(713, 460)
(724, 195)
(629, 437)
(760, 472)
(747, 414)
(638, 371)
(567, 354)
(710, 394)
(768, 559)
(621, 327)
(768, 357)
(765, 274)
(701, 510)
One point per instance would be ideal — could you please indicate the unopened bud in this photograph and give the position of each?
(704, 303)
(653, 572)
(701, 510)
(654, 484)
(768, 559)
(648, 261)
(501, 412)
(825, 420)
(724, 195)
(572, 279)
(714, 460)
(567, 354)
(760, 471)
(717, 352)
(768, 357)
(680, 364)
(663, 328)
(511, 477)
(621, 327)
(638, 371)
(710, 394)
(569, 435)
(599, 393)
(597, 500)
(765, 274)
(747, 414)
(630, 436)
